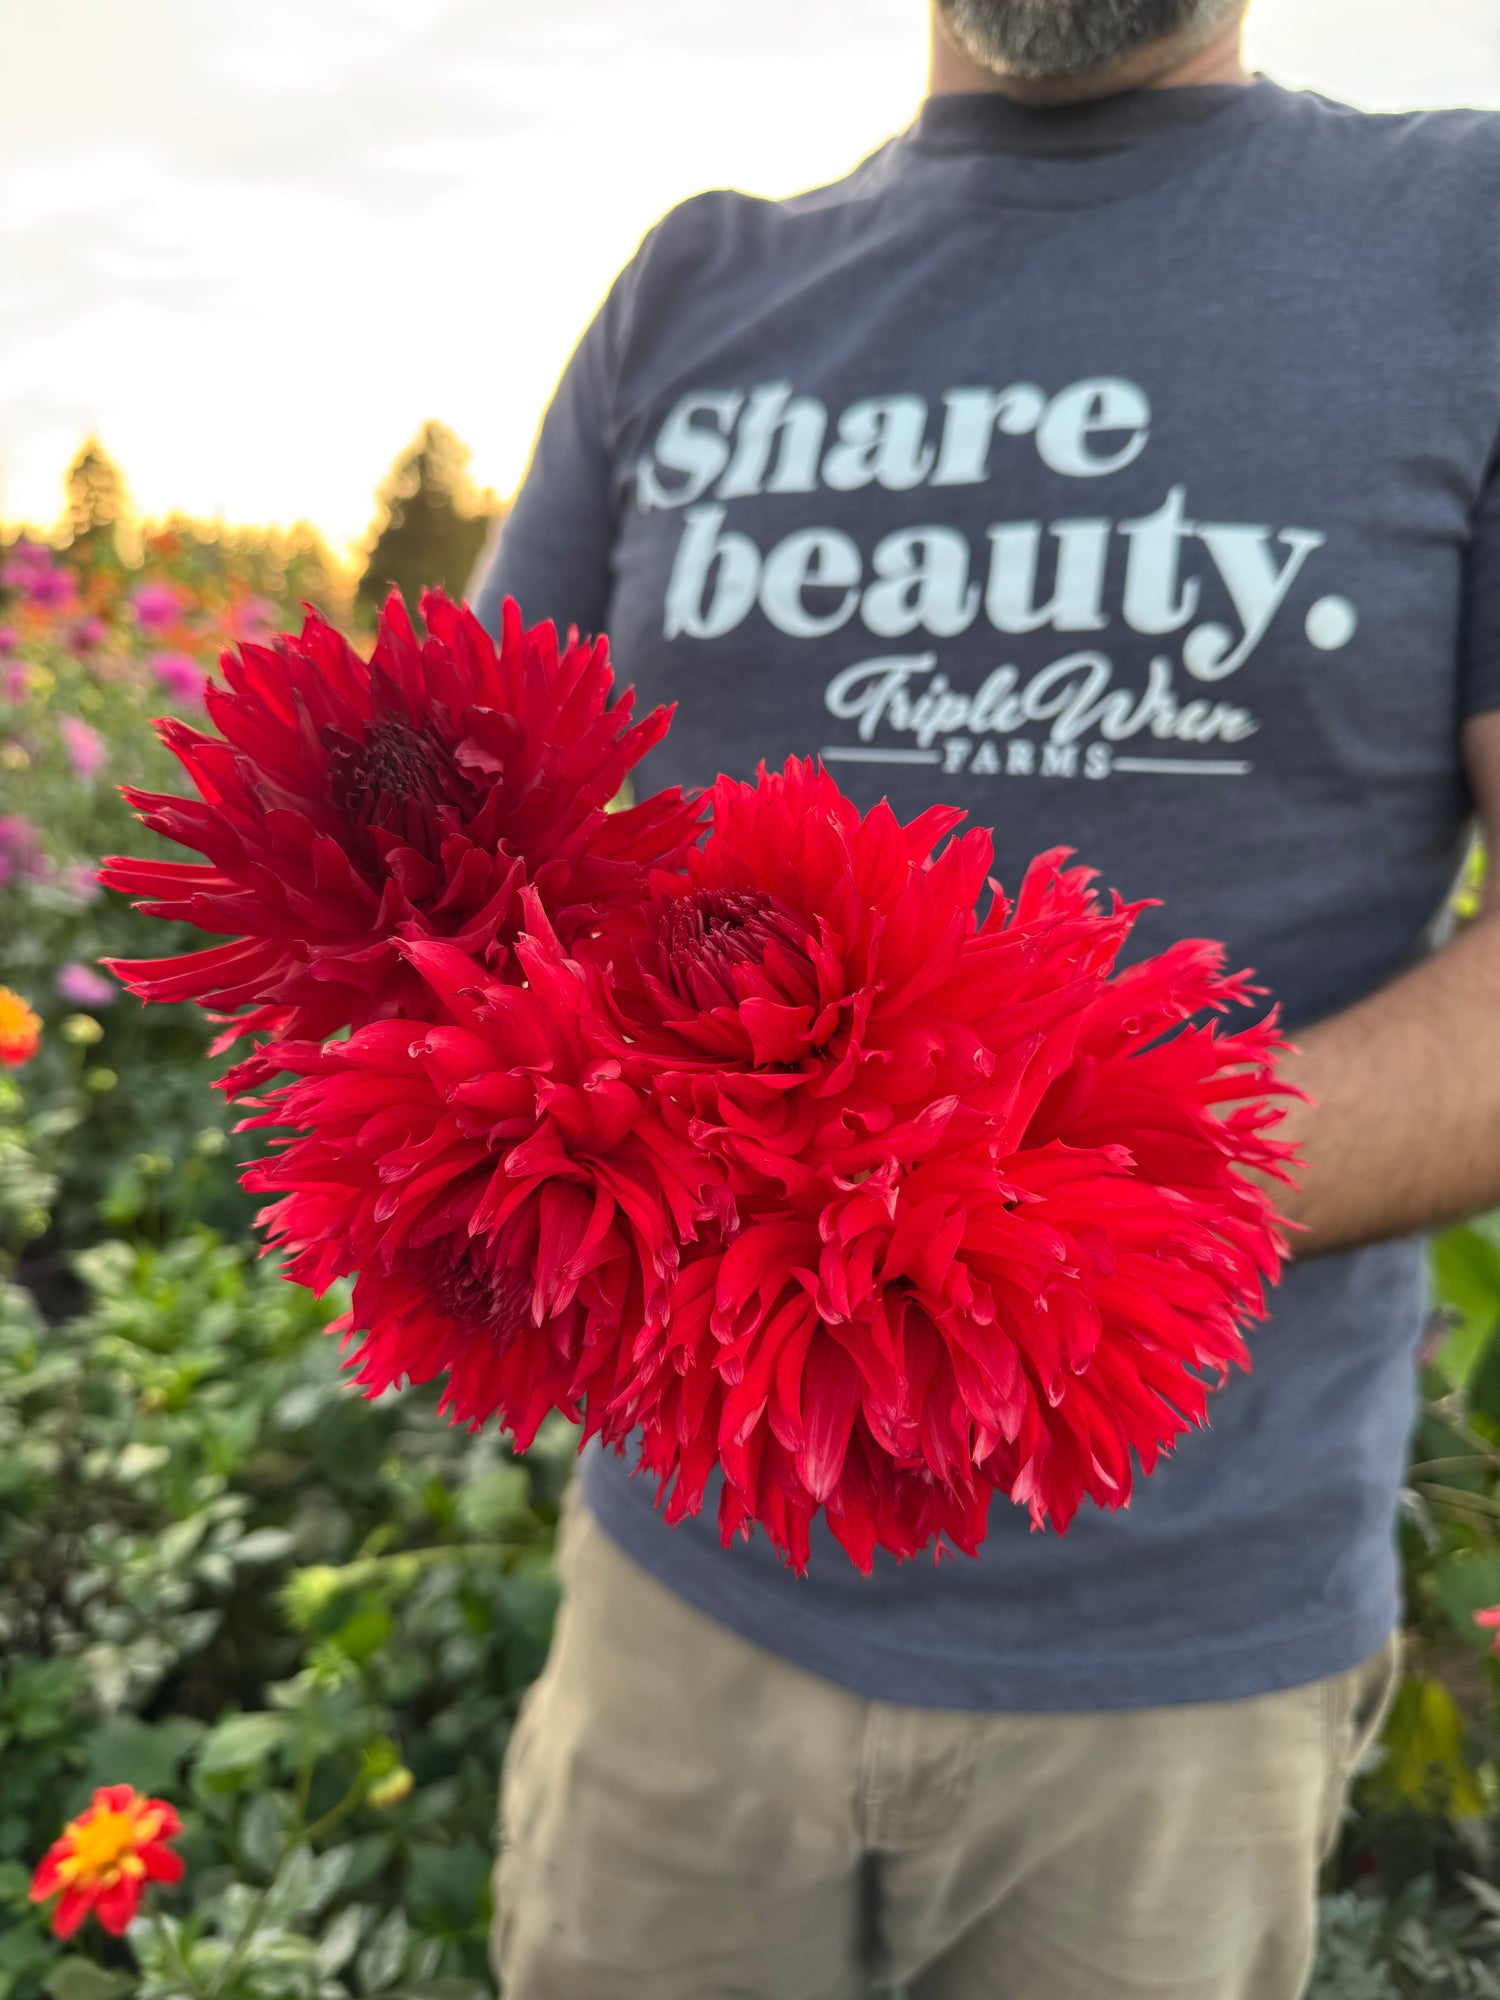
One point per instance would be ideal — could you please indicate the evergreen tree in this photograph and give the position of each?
(431, 524)
(97, 500)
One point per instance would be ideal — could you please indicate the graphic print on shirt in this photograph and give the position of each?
(929, 582)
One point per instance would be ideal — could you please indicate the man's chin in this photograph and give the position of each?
(1058, 51)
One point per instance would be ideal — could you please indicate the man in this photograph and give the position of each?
(1112, 454)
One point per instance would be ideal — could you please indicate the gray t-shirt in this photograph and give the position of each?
(1124, 475)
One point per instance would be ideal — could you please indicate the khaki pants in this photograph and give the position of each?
(687, 1817)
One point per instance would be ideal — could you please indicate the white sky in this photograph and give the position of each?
(254, 243)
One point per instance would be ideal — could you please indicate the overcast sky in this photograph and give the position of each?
(254, 243)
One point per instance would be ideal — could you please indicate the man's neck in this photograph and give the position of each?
(1158, 66)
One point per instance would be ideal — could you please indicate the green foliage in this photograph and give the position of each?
(1408, 1949)
(432, 522)
(303, 1617)
(227, 1580)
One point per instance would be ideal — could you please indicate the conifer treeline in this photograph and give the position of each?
(430, 523)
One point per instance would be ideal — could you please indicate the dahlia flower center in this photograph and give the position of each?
(481, 1297)
(709, 939)
(101, 1844)
(395, 770)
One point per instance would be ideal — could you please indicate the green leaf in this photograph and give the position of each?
(262, 1831)
(330, 1871)
(494, 1502)
(1423, 1762)
(1466, 1279)
(296, 1892)
(340, 1941)
(241, 1743)
(81, 1979)
(384, 1953)
(148, 1755)
(262, 1545)
(362, 1636)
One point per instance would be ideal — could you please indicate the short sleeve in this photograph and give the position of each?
(553, 549)
(1479, 658)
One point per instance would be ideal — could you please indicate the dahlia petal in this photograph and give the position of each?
(832, 1400)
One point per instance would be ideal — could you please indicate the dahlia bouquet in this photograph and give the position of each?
(729, 1127)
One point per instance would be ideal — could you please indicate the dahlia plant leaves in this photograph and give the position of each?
(1466, 1280)
(1424, 1762)
(82, 1979)
(241, 1744)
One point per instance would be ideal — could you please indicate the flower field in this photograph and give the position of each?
(236, 1595)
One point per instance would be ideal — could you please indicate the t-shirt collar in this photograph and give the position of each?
(988, 122)
(1080, 155)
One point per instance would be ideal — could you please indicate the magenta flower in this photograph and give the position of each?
(85, 987)
(16, 682)
(156, 605)
(38, 577)
(53, 590)
(180, 675)
(8, 640)
(88, 633)
(84, 745)
(25, 561)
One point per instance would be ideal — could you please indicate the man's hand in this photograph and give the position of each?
(1404, 1129)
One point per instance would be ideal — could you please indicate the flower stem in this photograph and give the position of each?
(298, 1836)
(172, 1951)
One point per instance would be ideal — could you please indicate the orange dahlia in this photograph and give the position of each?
(20, 1030)
(104, 1859)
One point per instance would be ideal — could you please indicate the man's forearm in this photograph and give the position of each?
(1404, 1129)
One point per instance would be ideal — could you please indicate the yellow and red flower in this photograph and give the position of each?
(104, 1859)
(20, 1030)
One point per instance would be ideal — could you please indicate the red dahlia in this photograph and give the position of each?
(508, 1202)
(346, 804)
(989, 1220)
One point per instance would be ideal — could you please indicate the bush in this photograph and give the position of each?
(226, 1579)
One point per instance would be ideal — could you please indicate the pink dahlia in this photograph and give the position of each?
(509, 1206)
(347, 804)
(181, 677)
(157, 605)
(84, 746)
(85, 987)
(989, 1220)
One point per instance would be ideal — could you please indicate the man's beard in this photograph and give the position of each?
(1038, 38)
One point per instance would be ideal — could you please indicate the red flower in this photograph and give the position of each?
(509, 1203)
(1489, 1621)
(104, 1859)
(346, 804)
(769, 1151)
(988, 1225)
